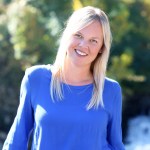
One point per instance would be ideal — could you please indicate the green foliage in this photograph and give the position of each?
(10, 76)
(31, 37)
(119, 69)
(62, 8)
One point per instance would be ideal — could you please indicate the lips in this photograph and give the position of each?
(80, 52)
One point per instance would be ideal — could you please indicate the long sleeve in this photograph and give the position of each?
(114, 127)
(17, 138)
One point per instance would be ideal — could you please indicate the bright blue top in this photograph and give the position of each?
(66, 124)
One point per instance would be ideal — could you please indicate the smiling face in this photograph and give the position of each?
(84, 45)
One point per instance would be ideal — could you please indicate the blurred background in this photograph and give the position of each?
(29, 35)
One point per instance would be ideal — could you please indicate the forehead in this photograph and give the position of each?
(94, 29)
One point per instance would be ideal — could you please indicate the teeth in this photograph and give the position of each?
(81, 53)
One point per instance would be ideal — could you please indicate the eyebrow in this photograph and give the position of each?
(91, 37)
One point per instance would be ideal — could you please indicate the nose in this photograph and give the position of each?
(84, 43)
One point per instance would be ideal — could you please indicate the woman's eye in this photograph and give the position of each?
(78, 35)
(94, 41)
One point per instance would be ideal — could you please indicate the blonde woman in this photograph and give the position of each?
(71, 105)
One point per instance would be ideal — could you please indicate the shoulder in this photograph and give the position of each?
(38, 70)
(111, 82)
(112, 85)
(38, 73)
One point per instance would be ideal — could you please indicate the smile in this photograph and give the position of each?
(80, 52)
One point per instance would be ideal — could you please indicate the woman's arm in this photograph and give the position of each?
(18, 136)
(114, 127)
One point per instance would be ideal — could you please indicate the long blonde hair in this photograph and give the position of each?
(78, 20)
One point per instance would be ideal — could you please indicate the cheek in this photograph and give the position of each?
(95, 50)
(72, 43)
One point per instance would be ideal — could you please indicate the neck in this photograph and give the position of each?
(77, 75)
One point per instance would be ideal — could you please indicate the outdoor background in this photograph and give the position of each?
(29, 35)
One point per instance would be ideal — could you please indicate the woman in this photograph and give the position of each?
(71, 105)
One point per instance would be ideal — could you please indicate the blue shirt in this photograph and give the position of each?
(65, 124)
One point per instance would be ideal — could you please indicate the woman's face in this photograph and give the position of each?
(84, 45)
